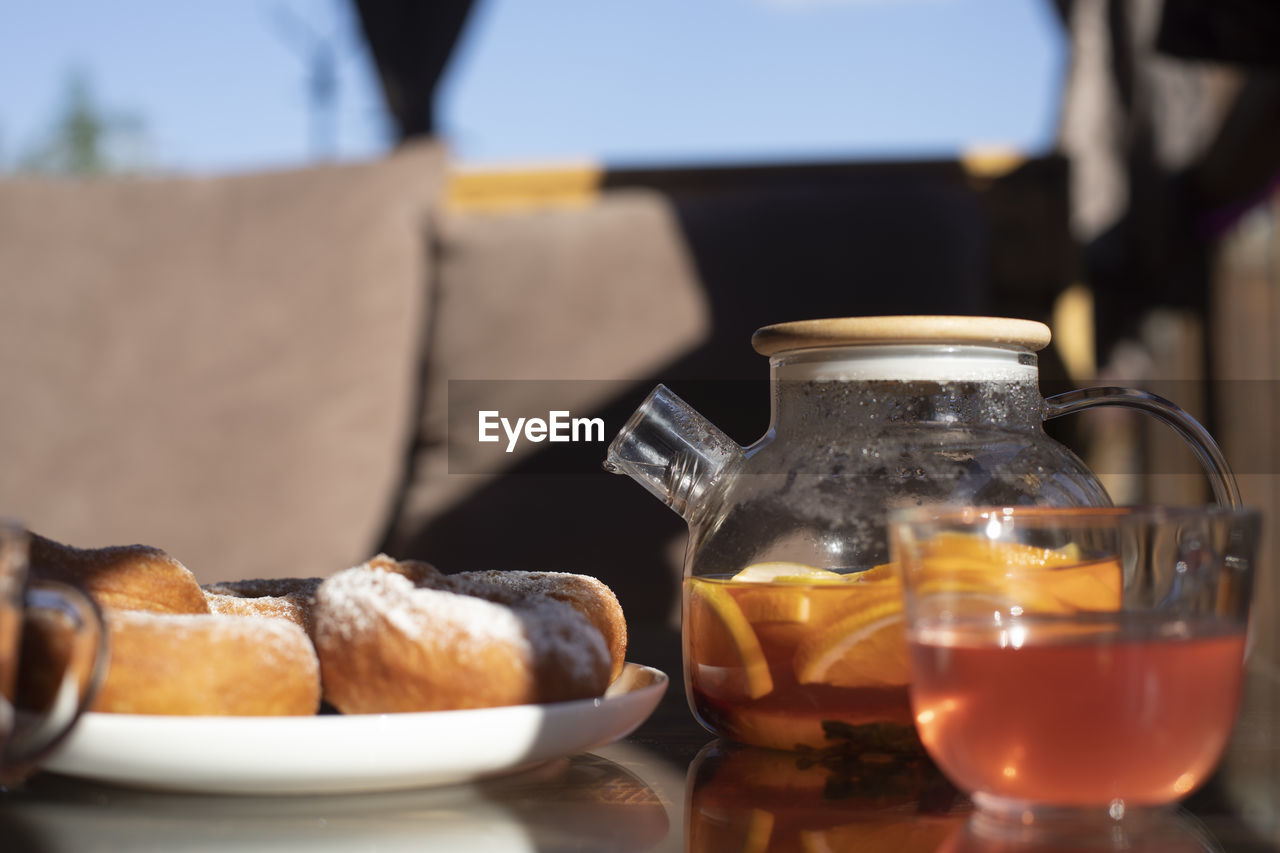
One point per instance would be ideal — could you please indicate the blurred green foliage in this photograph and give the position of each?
(87, 139)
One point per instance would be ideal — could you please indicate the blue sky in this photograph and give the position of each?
(222, 86)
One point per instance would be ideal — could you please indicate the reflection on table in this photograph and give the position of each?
(667, 787)
(1159, 831)
(581, 803)
(745, 798)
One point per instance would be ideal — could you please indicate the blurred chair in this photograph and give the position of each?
(222, 367)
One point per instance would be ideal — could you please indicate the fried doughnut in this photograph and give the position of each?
(126, 577)
(387, 643)
(281, 598)
(420, 573)
(589, 596)
(205, 664)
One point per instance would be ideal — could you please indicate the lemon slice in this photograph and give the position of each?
(762, 601)
(1070, 553)
(711, 602)
(783, 572)
(775, 597)
(867, 648)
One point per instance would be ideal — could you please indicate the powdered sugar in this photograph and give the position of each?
(539, 629)
(277, 640)
(276, 607)
(559, 632)
(359, 600)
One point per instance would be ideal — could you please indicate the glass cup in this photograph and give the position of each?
(1068, 662)
(64, 661)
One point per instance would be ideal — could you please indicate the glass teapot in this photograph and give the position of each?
(791, 617)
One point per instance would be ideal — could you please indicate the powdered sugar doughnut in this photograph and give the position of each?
(589, 596)
(387, 644)
(204, 664)
(129, 577)
(280, 598)
(420, 573)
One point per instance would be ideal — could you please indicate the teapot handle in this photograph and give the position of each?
(1225, 489)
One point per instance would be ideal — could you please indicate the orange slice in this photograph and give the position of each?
(779, 730)
(1090, 586)
(717, 623)
(902, 833)
(958, 552)
(759, 831)
(867, 648)
(885, 572)
(1046, 580)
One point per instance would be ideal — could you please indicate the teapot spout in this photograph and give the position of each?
(674, 452)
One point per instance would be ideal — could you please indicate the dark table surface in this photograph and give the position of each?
(668, 786)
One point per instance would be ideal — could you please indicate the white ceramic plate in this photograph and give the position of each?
(346, 754)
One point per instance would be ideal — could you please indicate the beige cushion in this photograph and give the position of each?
(224, 367)
(566, 307)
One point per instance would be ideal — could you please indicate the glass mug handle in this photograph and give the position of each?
(84, 657)
(1225, 490)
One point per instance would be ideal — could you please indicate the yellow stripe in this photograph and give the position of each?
(1073, 325)
(522, 189)
(991, 161)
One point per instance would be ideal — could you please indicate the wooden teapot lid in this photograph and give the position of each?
(909, 329)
